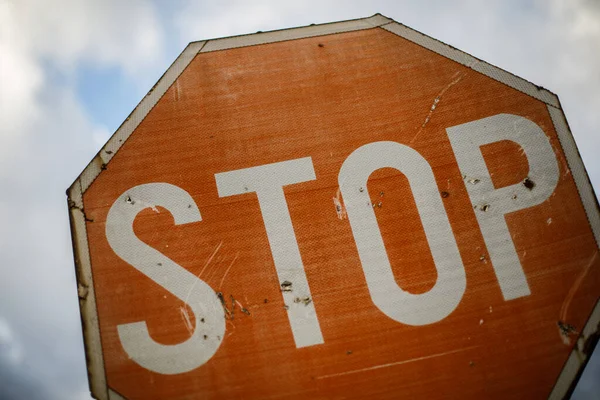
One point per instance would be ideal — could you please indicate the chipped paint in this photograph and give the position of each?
(455, 79)
(82, 291)
(286, 286)
(340, 210)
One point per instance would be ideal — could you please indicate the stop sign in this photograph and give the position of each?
(349, 210)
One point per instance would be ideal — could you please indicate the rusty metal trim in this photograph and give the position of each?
(476, 64)
(588, 337)
(87, 295)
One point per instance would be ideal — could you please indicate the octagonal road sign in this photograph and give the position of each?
(348, 210)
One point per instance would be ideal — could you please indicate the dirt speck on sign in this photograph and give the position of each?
(528, 183)
(286, 286)
(82, 291)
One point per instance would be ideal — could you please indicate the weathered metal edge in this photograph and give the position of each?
(295, 33)
(87, 296)
(474, 63)
(589, 335)
(580, 176)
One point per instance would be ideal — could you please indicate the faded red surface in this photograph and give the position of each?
(256, 105)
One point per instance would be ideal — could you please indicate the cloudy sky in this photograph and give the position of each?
(71, 71)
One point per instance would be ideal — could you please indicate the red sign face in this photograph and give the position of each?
(350, 215)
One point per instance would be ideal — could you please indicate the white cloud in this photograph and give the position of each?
(20, 76)
(66, 34)
(199, 20)
(112, 32)
(100, 136)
